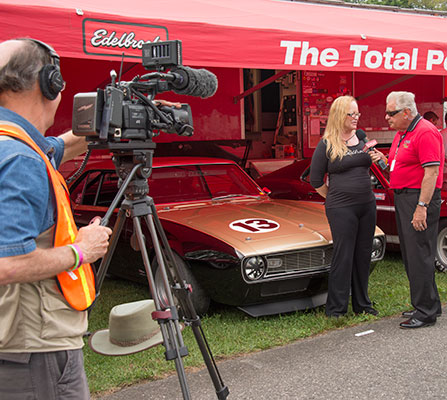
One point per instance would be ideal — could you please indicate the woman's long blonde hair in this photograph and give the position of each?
(335, 145)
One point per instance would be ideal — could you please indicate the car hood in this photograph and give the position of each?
(255, 226)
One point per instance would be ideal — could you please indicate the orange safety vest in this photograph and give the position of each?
(78, 287)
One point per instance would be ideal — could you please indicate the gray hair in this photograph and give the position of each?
(21, 71)
(403, 100)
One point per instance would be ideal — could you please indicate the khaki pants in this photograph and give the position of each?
(57, 375)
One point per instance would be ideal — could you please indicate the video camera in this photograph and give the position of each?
(125, 112)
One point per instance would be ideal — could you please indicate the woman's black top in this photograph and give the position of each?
(349, 179)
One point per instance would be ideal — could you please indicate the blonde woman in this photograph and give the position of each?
(350, 206)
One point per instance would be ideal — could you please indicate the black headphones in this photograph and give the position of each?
(50, 78)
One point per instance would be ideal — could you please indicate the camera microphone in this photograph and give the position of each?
(193, 82)
(370, 146)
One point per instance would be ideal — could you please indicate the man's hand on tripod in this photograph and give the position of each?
(93, 240)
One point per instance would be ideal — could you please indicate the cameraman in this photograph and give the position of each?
(40, 330)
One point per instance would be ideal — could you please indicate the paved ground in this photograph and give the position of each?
(388, 363)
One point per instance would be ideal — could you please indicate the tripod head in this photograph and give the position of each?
(125, 161)
(133, 165)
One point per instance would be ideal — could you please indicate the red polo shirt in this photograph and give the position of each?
(418, 147)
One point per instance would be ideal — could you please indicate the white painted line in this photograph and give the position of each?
(364, 333)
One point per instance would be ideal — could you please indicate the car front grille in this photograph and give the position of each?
(299, 262)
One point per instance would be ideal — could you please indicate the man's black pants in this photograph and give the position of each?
(418, 250)
(352, 230)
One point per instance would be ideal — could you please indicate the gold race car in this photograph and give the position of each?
(236, 245)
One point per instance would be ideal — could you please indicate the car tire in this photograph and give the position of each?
(441, 247)
(200, 299)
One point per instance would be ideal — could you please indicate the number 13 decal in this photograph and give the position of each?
(254, 225)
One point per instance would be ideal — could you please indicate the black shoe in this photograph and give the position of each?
(371, 311)
(409, 314)
(413, 323)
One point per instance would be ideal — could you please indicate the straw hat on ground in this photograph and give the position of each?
(131, 329)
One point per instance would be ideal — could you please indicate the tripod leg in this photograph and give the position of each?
(155, 221)
(105, 262)
(149, 270)
(170, 327)
(184, 297)
(162, 266)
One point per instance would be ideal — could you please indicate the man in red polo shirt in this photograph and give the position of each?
(416, 161)
(444, 139)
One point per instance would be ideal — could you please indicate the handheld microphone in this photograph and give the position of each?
(193, 82)
(370, 146)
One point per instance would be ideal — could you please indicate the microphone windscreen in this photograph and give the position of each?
(361, 134)
(194, 82)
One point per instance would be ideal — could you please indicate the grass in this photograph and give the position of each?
(230, 332)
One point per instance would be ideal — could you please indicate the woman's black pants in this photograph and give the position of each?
(352, 230)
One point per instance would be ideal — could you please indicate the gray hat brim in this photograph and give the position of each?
(100, 343)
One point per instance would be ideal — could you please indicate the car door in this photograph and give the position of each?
(91, 196)
(386, 218)
(307, 190)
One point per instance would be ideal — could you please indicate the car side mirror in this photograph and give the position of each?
(267, 191)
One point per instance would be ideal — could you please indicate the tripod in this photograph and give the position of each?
(134, 167)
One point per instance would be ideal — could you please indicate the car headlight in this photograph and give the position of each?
(254, 268)
(377, 248)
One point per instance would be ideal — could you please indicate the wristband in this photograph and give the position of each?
(79, 258)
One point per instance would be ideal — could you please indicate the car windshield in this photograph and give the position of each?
(199, 182)
(172, 184)
(374, 181)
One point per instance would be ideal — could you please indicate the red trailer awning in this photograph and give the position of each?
(266, 34)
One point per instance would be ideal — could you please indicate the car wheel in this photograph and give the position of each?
(200, 299)
(441, 247)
